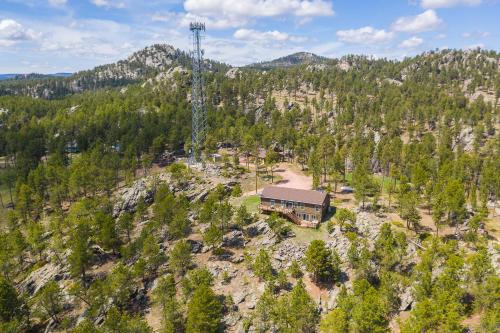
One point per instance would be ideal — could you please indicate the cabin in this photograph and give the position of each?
(305, 208)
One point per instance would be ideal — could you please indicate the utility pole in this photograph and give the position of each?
(199, 112)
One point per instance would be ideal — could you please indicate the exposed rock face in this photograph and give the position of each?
(233, 238)
(316, 67)
(130, 197)
(369, 225)
(232, 73)
(240, 296)
(221, 268)
(344, 65)
(339, 243)
(257, 228)
(332, 298)
(195, 246)
(286, 252)
(495, 257)
(267, 237)
(39, 278)
(232, 318)
(465, 139)
(406, 299)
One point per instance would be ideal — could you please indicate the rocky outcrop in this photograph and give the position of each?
(233, 73)
(339, 243)
(129, 197)
(196, 246)
(40, 277)
(406, 299)
(265, 236)
(233, 238)
(368, 225)
(257, 228)
(232, 318)
(286, 252)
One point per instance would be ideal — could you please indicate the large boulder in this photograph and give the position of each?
(339, 243)
(233, 238)
(40, 277)
(257, 228)
(239, 296)
(196, 246)
(129, 197)
(232, 318)
(286, 252)
(406, 299)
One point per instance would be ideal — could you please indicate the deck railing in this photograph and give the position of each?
(290, 214)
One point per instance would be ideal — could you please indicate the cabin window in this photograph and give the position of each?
(317, 208)
(272, 202)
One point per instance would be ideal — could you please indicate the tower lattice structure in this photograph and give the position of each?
(199, 112)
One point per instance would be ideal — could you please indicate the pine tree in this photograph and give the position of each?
(204, 311)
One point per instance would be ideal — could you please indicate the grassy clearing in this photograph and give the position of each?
(306, 235)
(252, 203)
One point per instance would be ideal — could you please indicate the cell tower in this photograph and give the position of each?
(199, 112)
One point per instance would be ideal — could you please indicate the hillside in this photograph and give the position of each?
(300, 58)
(31, 76)
(140, 66)
(105, 226)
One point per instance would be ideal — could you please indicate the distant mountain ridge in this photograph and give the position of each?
(32, 76)
(161, 60)
(138, 67)
(299, 58)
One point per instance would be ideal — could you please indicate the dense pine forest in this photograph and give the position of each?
(99, 234)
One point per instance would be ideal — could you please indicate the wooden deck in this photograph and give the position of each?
(288, 214)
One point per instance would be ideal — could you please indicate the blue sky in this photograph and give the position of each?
(47, 36)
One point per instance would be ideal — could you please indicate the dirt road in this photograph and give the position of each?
(290, 177)
(293, 178)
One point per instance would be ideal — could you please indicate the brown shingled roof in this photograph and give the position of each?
(294, 194)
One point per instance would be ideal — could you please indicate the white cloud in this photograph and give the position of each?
(12, 32)
(412, 42)
(327, 49)
(365, 35)
(85, 38)
(241, 52)
(249, 34)
(221, 14)
(426, 21)
(108, 4)
(266, 36)
(164, 17)
(476, 34)
(259, 8)
(448, 3)
(440, 36)
(57, 3)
